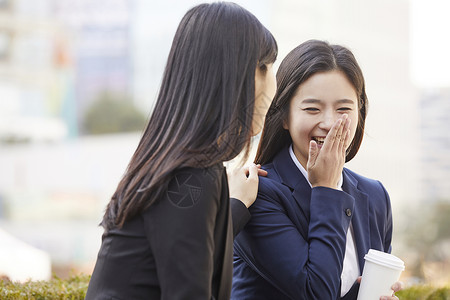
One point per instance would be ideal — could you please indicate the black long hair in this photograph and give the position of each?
(204, 110)
(304, 61)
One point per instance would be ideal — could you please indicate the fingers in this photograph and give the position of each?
(243, 183)
(345, 140)
(252, 172)
(331, 136)
(359, 279)
(397, 286)
(262, 172)
(389, 298)
(341, 140)
(246, 170)
(312, 154)
(340, 133)
(334, 136)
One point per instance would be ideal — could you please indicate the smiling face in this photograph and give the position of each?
(317, 103)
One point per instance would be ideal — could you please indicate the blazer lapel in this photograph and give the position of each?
(360, 220)
(291, 176)
(301, 190)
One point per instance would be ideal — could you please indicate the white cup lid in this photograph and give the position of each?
(385, 259)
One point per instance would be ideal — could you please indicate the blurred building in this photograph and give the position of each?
(31, 89)
(378, 33)
(429, 68)
(153, 27)
(101, 48)
(435, 144)
(56, 58)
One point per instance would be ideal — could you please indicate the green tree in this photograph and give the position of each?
(428, 232)
(111, 114)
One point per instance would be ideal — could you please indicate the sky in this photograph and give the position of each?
(430, 43)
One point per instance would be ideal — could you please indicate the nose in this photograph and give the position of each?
(328, 119)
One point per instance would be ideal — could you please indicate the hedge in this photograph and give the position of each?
(75, 288)
(424, 292)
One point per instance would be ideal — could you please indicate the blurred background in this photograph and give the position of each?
(78, 79)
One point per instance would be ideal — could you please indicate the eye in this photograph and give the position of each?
(345, 109)
(311, 109)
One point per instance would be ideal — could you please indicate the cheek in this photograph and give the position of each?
(272, 87)
(298, 128)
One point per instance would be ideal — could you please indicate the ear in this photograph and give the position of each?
(285, 124)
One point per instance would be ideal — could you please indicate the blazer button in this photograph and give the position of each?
(348, 212)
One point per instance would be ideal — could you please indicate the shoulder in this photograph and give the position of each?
(271, 181)
(188, 185)
(364, 182)
(272, 175)
(374, 189)
(272, 193)
(202, 176)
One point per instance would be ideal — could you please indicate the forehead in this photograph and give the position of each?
(325, 87)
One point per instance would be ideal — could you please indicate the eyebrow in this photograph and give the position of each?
(312, 101)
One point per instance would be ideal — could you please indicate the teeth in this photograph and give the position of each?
(319, 140)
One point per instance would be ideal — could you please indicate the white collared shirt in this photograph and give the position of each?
(350, 269)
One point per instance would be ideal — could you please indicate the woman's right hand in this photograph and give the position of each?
(325, 165)
(243, 183)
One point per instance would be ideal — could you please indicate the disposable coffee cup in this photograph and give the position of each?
(381, 271)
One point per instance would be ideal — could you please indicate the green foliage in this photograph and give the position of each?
(110, 114)
(427, 231)
(442, 293)
(424, 292)
(419, 292)
(73, 288)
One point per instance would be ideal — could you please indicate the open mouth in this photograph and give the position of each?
(319, 140)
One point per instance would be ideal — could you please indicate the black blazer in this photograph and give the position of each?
(180, 248)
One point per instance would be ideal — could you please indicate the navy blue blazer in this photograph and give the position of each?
(294, 245)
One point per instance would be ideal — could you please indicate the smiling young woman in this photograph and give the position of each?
(313, 220)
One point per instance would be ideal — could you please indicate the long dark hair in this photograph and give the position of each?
(309, 58)
(204, 110)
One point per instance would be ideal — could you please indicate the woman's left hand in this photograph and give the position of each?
(398, 286)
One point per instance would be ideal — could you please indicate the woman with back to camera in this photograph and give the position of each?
(168, 229)
(313, 220)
